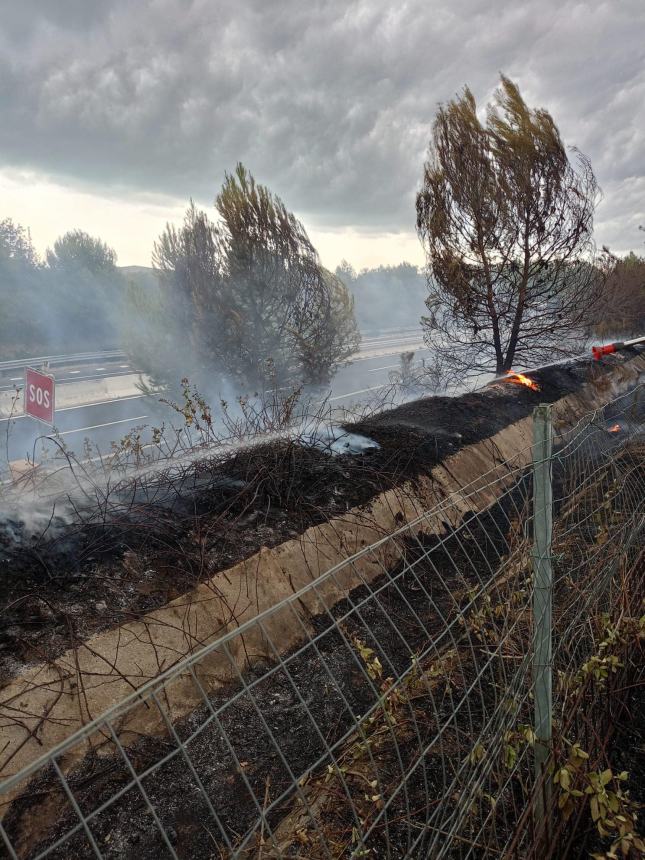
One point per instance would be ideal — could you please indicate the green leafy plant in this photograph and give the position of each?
(612, 811)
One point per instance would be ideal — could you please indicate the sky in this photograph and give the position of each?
(114, 113)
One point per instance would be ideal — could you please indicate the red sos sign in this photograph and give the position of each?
(39, 395)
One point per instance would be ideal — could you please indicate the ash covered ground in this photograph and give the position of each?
(287, 715)
(111, 558)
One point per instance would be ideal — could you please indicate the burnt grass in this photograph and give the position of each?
(147, 542)
(282, 723)
(286, 718)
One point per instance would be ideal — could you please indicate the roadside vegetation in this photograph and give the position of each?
(622, 310)
(68, 302)
(243, 298)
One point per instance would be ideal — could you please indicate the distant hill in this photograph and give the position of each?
(145, 276)
(386, 297)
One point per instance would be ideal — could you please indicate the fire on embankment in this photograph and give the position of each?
(179, 561)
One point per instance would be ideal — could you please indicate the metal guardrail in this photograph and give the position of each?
(74, 358)
(18, 363)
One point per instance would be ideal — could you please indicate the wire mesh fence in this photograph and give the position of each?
(390, 707)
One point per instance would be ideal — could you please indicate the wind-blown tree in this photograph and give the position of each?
(333, 338)
(506, 220)
(286, 305)
(190, 328)
(248, 294)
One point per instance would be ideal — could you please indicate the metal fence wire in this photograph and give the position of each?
(398, 721)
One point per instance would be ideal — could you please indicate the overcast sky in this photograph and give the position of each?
(114, 112)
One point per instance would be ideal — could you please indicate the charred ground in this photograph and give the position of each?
(269, 727)
(136, 545)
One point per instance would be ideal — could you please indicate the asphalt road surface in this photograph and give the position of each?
(73, 371)
(109, 421)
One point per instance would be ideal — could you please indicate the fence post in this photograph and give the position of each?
(542, 602)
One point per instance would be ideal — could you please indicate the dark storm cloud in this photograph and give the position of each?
(330, 103)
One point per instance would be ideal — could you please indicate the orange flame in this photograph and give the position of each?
(520, 379)
(615, 428)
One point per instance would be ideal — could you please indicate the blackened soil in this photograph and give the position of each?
(145, 543)
(254, 740)
(481, 414)
(149, 544)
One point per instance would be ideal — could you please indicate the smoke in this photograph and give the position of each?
(388, 297)
(76, 309)
(49, 500)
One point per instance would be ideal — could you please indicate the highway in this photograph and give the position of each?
(109, 420)
(67, 369)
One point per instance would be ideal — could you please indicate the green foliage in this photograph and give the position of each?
(21, 291)
(334, 339)
(245, 298)
(614, 639)
(78, 251)
(514, 741)
(87, 289)
(16, 245)
(71, 303)
(611, 809)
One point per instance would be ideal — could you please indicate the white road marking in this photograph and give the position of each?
(15, 379)
(99, 368)
(61, 382)
(86, 405)
(74, 371)
(102, 402)
(352, 393)
(384, 352)
(375, 344)
(123, 365)
(387, 367)
(96, 426)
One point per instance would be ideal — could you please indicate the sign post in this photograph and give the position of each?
(39, 395)
(542, 608)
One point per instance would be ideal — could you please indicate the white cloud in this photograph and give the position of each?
(329, 103)
(128, 222)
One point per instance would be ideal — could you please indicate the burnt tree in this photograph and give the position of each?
(506, 221)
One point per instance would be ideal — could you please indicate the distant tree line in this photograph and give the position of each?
(621, 311)
(386, 297)
(69, 301)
